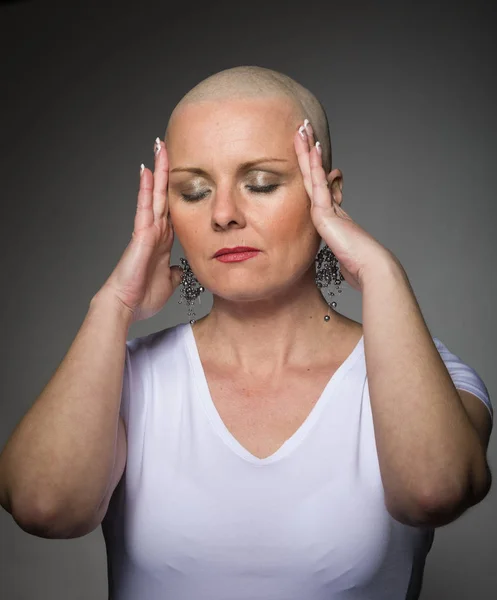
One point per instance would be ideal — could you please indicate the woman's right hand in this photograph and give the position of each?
(143, 280)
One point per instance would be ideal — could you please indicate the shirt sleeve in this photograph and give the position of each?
(463, 376)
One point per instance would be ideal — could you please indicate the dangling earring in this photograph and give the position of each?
(188, 290)
(326, 272)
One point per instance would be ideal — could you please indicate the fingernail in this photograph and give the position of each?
(157, 146)
(319, 149)
(308, 127)
(142, 167)
(302, 132)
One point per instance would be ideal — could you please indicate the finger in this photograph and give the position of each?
(302, 151)
(144, 216)
(320, 192)
(160, 180)
(310, 133)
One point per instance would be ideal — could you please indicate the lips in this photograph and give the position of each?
(235, 250)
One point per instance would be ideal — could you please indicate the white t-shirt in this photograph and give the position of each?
(196, 516)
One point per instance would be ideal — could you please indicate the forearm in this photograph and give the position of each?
(428, 450)
(59, 459)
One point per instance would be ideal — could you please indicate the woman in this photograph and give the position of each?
(275, 448)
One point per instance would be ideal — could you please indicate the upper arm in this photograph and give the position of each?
(478, 415)
(117, 472)
(476, 401)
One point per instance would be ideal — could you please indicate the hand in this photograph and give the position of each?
(143, 280)
(356, 250)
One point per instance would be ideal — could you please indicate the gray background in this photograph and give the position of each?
(410, 94)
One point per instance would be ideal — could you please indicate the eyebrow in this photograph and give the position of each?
(242, 167)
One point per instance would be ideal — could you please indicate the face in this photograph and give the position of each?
(227, 204)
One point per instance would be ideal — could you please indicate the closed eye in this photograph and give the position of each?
(265, 189)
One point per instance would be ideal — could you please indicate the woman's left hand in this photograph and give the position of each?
(357, 251)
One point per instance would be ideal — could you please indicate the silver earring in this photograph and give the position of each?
(189, 290)
(326, 272)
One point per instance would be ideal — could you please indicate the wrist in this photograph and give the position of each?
(386, 268)
(108, 301)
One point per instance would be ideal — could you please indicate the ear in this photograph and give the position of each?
(335, 184)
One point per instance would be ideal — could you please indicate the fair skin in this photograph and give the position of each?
(267, 313)
(420, 418)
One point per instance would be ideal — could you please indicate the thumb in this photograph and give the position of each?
(176, 274)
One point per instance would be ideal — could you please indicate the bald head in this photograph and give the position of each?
(247, 82)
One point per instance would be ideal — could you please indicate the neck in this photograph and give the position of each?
(272, 334)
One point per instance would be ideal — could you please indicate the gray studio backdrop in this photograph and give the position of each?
(410, 93)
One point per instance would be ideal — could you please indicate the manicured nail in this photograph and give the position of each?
(319, 149)
(142, 167)
(308, 127)
(302, 132)
(157, 146)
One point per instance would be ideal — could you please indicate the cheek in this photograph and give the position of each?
(294, 218)
(184, 225)
(295, 228)
(295, 238)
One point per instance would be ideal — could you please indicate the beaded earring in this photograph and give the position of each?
(327, 271)
(190, 290)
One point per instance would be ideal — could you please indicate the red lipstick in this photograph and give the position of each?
(236, 254)
(235, 250)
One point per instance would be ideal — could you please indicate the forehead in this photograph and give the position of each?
(232, 127)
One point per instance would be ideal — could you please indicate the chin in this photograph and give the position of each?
(247, 290)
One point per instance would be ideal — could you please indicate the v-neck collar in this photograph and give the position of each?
(218, 424)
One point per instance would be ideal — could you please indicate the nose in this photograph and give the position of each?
(227, 208)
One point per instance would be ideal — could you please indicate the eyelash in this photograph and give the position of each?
(265, 189)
